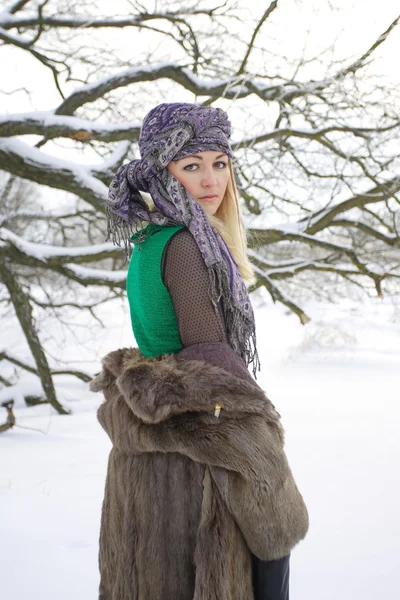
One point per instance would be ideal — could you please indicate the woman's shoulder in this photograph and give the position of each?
(182, 255)
(182, 247)
(151, 228)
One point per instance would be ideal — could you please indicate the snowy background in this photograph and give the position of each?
(336, 383)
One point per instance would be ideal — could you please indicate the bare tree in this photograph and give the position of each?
(317, 160)
(21, 210)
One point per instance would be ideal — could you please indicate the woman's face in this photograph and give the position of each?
(205, 176)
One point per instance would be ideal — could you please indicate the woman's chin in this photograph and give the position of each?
(209, 209)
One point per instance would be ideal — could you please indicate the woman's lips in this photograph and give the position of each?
(209, 198)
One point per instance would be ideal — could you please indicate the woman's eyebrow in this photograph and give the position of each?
(201, 158)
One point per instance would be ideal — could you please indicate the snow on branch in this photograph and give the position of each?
(87, 276)
(288, 269)
(312, 134)
(276, 234)
(9, 38)
(54, 126)
(151, 72)
(9, 21)
(46, 253)
(59, 259)
(22, 160)
(323, 218)
(390, 239)
(231, 88)
(106, 170)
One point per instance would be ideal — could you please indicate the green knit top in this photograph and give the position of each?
(153, 318)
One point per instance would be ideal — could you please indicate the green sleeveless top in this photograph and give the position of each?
(153, 318)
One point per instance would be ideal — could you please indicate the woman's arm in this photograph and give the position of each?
(200, 323)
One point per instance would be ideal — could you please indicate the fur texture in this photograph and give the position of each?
(189, 495)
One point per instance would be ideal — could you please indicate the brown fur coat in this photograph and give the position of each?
(188, 494)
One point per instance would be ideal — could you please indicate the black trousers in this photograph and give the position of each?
(271, 578)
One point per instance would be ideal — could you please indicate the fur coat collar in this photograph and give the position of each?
(189, 496)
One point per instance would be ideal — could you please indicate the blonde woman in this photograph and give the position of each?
(200, 502)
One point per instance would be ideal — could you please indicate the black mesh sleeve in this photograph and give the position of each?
(201, 324)
(186, 277)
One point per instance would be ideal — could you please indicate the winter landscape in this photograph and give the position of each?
(313, 92)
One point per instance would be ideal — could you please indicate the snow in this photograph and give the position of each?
(114, 158)
(46, 251)
(14, 39)
(45, 161)
(122, 75)
(236, 85)
(86, 272)
(335, 382)
(29, 386)
(49, 119)
(295, 228)
(209, 83)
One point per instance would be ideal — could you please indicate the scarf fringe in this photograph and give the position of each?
(241, 333)
(120, 230)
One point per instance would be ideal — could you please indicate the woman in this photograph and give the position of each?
(200, 502)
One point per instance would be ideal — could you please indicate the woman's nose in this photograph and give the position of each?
(209, 178)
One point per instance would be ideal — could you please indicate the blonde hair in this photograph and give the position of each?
(227, 221)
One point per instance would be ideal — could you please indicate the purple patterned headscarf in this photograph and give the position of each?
(169, 132)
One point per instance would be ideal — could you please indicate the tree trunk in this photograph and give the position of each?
(23, 311)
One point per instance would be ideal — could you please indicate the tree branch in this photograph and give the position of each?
(392, 240)
(23, 311)
(31, 215)
(10, 422)
(22, 160)
(229, 88)
(76, 22)
(313, 134)
(319, 220)
(19, 363)
(54, 126)
(264, 17)
(48, 254)
(64, 261)
(27, 45)
(287, 271)
(274, 235)
(17, 6)
(277, 295)
(360, 62)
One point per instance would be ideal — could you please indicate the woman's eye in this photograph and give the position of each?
(220, 164)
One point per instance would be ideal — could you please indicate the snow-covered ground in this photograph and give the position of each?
(336, 383)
